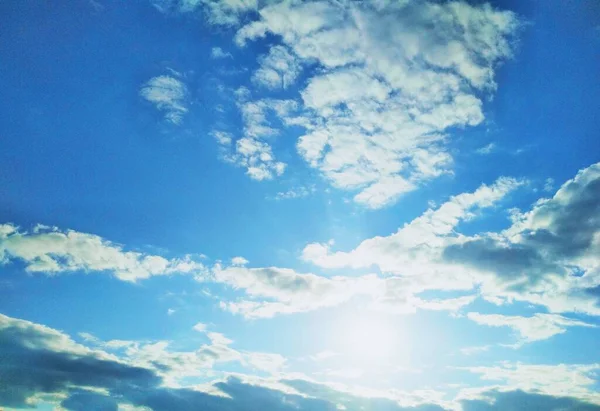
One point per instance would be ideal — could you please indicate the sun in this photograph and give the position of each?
(369, 340)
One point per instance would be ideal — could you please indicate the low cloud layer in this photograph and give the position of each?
(78, 378)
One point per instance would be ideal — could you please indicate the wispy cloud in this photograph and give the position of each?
(487, 149)
(219, 53)
(168, 94)
(295, 192)
(535, 328)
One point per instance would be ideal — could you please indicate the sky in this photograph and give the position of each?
(241, 205)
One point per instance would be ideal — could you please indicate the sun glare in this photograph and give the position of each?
(369, 340)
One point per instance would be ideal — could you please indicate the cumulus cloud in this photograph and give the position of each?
(64, 372)
(129, 375)
(389, 81)
(518, 400)
(548, 256)
(56, 363)
(49, 250)
(278, 69)
(169, 95)
(239, 261)
(407, 254)
(401, 251)
(561, 380)
(274, 290)
(285, 290)
(535, 328)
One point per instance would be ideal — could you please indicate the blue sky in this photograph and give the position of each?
(318, 205)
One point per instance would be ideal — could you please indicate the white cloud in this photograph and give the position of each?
(269, 362)
(548, 256)
(412, 245)
(168, 94)
(172, 365)
(51, 251)
(536, 328)
(296, 192)
(219, 53)
(258, 159)
(223, 138)
(200, 327)
(50, 339)
(278, 69)
(285, 290)
(392, 78)
(226, 12)
(487, 149)
(177, 365)
(140, 370)
(573, 380)
(549, 185)
(272, 291)
(239, 261)
(218, 12)
(252, 151)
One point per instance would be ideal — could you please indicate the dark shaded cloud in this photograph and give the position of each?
(36, 359)
(555, 243)
(242, 397)
(507, 262)
(352, 402)
(84, 400)
(570, 220)
(522, 401)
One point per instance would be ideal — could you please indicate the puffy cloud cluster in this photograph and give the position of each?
(387, 82)
(49, 250)
(253, 151)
